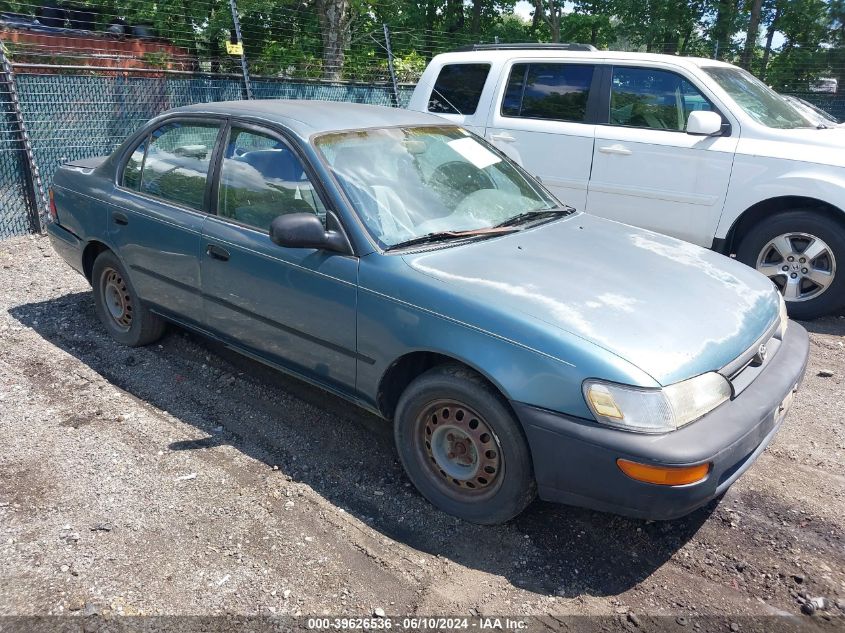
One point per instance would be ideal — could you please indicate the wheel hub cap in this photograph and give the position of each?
(801, 265)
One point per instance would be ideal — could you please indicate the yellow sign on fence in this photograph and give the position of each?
(235, 49)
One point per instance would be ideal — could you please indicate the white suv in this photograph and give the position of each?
(694, 148)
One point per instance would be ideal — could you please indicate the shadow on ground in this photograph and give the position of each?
(347, 456)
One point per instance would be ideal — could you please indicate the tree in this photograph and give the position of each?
(752, 33)
(335, 24)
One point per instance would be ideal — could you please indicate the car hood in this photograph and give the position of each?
(671, 308)
(823, 147)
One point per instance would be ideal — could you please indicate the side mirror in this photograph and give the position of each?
(305, 230)
(704, 123)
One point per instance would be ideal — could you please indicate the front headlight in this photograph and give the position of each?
(656, 410)
(784, 316)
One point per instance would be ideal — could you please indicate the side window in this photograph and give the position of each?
(557, 92)
(132, 169)
(260, 179)
(178, 158)
(458, 88)
(652, 98)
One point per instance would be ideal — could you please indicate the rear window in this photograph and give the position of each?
(458, 88)
(558, 92)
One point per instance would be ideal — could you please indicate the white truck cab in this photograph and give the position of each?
(694, 148)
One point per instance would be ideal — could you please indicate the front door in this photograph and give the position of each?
(292, 306)
(544, 122)
(647, 171)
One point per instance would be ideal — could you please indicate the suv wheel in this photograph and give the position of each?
(800, 251)
(118, 306)
(462, 447)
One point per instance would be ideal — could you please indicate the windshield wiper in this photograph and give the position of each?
(443, 236)
(528, 216)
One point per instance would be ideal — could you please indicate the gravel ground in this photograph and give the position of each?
(182, 478)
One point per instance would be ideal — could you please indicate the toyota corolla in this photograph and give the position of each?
(517, 347)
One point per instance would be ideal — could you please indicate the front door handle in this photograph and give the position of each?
(505, 138)
(620, 150)
(120, 218)
(217, 252)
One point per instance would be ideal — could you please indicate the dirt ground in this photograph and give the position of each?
(183, 479)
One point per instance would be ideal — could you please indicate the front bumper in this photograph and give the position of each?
(575, 459)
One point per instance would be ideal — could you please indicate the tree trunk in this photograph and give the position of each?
(476, 17)
(334, 27)
(770, 34)
(751, 34)
(539, 13)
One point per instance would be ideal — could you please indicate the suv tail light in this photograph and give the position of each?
(54, 213)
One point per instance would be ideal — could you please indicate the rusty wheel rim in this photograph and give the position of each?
(461, 453)
(116, 298)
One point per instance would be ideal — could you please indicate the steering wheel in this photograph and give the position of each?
(455, 180)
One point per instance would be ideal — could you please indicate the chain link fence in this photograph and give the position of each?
(75, 82)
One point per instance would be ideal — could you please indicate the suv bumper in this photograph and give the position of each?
(575, 459)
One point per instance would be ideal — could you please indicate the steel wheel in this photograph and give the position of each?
(801, 265)
(461, 452)
(116, 298)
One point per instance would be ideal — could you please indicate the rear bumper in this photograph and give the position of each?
(575, 459)
(66, 244)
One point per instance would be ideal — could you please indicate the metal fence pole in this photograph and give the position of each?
(34, 186)
(236, 22)
(390, 67)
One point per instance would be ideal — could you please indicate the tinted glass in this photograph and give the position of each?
(458, 88)
(261, 179)
(558, 92)
(176, 167)
(651, 98)
(132, 171)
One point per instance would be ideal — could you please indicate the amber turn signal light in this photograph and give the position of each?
(664, 475)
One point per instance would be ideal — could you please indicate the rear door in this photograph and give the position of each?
(544, 118)
(647, 171)
(293, 306)
(157, 212)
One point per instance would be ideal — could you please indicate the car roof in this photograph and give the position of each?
(306, 117)
(529, 53)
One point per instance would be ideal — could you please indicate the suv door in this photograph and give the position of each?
(292, 306)
(545, 120)
(157, 211)
(647, 171)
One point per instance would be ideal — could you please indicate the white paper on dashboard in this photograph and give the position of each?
(474, 152)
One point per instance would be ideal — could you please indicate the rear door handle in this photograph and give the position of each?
(621, 150)
(217, 252)
(120, 218)
(505, 138)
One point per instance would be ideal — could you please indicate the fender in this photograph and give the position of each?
(758, 179)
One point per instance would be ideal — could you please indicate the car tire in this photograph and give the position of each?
(769, 245)
(118, 306)
(462, 447)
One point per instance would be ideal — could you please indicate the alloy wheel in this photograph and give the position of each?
(801, 265)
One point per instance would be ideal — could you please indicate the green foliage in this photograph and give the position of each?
(798, 42)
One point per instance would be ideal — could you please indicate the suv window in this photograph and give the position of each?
(652, 98)
(558, 92)
(458, 88)
(260, 179)
(177, 162)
